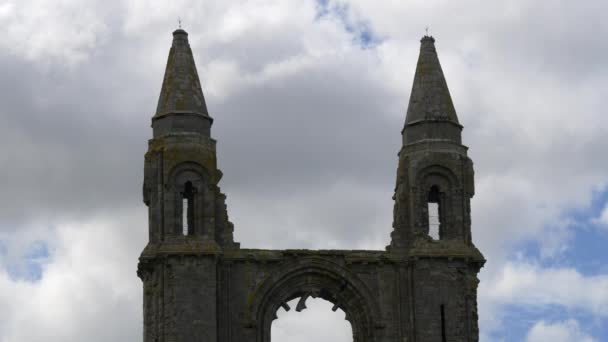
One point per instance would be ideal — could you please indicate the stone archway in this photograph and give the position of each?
(317, 322)
(318, 278)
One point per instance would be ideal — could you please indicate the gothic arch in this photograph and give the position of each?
(188, 177)
(437, 175)
(437, 184)
(188, 171)
(315, 277)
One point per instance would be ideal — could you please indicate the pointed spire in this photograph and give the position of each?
(181, 91)
(430, 100)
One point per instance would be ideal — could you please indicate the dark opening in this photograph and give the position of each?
(434, 211)
(188, 209)
(443, 335)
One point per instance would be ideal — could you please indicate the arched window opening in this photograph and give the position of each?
(188, 209)
(318, 322)
(434, 212)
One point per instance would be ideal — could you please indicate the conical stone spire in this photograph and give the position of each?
(430, 113)
(181, 91)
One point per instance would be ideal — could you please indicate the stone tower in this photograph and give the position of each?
(199, 285)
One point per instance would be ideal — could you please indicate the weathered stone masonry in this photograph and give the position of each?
(200, 285)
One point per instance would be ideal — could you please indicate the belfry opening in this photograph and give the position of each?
(188, 209)
(434, 210)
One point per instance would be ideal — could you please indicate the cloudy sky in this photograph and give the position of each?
(309, 98)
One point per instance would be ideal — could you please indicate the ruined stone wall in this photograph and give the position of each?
(440, 309)
(234, 296)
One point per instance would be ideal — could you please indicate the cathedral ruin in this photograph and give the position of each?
(201, 285)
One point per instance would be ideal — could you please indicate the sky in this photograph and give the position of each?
(309, 98)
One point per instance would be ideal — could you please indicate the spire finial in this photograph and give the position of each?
(427, 30)
(179, 22)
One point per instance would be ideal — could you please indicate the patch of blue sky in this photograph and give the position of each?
(587, 215)
(322, 7)
(30, 266)
(588, 252)
(363, 35)
(585, 252)
(585, 241)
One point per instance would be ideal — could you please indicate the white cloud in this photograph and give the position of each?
(65, 31)
(529, 285)
(566, 331)
(89, 290)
